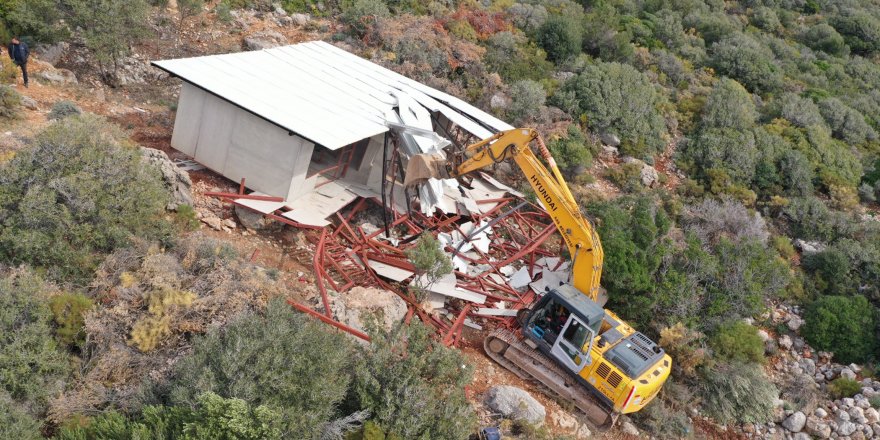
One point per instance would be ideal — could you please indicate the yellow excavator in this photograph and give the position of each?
(567, 342)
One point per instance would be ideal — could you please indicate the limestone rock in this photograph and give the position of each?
(57, 76)
(51, 53)
(28, 102)
(498, 101)
(795, 422)
(610, 139)
(300, 19)
(817, 428)
(515, 403)
(846, 428)
(820, 413)
(848, 373)
(176, 180)
(249, 218)
(264, 40)
(795, 322)
(872, 416)
(785, 342)
(354, 306)
(213, 222)
(808, 247)
(583, 432)
(628, 428)
(563, 420)
(229, 223)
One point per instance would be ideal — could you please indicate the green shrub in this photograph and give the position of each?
(746, 60)
(68, 310)
(831, 271)
(31, 366)
(284, 360)
(843, 325)
(8, 70)
(729, 150)
(802, 112)
(667, 416)
(78, 191)
(431, 263)
(739, 342)
(515, 58)
(846, 123)
(413, 385)
(738, 393)
(571, 152)
(765, 18)
(603, 93)
(729, 106)
(63, 109)
(875, 401)
(213, 418)
(627, 176)
(109, 28)
(843, 387)
(362, 15)
(825, 38)
(560, 36)
(15, 422)
(185, 218)
(526, 99)
(10, 102)
(860, 30)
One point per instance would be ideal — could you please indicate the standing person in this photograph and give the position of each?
(19, 52)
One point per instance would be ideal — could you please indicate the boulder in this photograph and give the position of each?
(649, 175)
(808, 247)
(610, 139)
(28, 102)
(515, 403)
(872, 416)
(300, 19)
(213, 222)
(820, 413)
(563, 420)
(857, 414)
(51, 53)
(795, 322)
(817, 428)
(583, 432)
(785, 342)
(357, 304)
(848, 373)
(176, 180)
(795, 422)
(57, 76)
(846, 428)
(498, 101)
(628, 428)
(801, 436)
(264, 40)
(249, 218)
(609, 150)
(808, 365)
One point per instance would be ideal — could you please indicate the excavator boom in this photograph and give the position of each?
(553, 193)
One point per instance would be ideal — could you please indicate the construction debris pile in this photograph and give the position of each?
(502, 258)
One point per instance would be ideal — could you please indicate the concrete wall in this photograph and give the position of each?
(237, 144)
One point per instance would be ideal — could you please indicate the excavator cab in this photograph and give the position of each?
(563, 324)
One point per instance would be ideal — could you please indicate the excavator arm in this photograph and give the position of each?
(553, 193)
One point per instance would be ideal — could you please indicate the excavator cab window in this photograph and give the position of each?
(548, 322)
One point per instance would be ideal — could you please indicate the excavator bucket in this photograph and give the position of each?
(422, 167)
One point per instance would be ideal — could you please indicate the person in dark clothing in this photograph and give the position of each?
(19, 52)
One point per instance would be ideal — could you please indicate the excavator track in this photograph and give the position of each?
(504, 347)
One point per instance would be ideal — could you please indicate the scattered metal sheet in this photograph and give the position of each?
(390, 272)
(472, 324)
(520, 278)
(446, 286)
(313, 208)
(260, 206)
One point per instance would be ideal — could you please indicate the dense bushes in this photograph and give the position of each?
(526, 99)
(738, 393)
(286, 361)
(843, 325)
(32, 368)
(10, 102)
(741, 57)
(729, 106)
(604, 93)
(738, 341)
(78, 191)
(413, 385)
(560, 36)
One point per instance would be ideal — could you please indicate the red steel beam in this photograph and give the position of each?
(233, 196)
(327, 320)
(449, 338)
(319, 270)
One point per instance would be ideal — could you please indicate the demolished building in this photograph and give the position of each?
(320, 134)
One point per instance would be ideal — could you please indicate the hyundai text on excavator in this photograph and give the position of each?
(566, 341)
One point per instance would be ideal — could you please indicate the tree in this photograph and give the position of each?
(109, 28)
(526, 99)
(738, 341)
(860, 30)
(729, 106)
(78, 191)
(846, 123)
(743, 58)
(604, 93)
(283, 360)
(430, 261)
(825, 38)
(729, 150)
(15, 421)
(560, 36)
(413, 385)
(38, 18)
(845, 325)
(362, 15)
(802, 112)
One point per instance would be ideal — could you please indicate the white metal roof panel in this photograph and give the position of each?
(321, 92)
